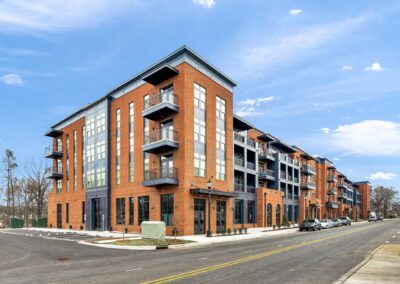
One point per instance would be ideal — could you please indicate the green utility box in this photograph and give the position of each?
(153, 230)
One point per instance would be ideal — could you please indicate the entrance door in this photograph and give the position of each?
(221, 216)
(269, 215)
(96, 214)
(167, 130)
(167, 165)
(199, 216)
(59, 216)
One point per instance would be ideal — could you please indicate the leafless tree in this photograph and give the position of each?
(38, 185)
(382, 198)
(9, 163)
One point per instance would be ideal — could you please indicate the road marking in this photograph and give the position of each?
(248, 258)
(203, 258)
(393, 236)
(133, 269)
(387, 242)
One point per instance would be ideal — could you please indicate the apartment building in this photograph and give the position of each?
(165, 145)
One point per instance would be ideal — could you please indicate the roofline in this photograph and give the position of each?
(141, 74)
(244, 121)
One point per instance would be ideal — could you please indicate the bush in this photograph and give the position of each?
(235, 231)
(41, 222)
(241, 231)
(245, 230)
(17, 223)
(229, 231)
(273, 227)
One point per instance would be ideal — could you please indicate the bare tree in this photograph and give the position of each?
(9, 163)
(382, 198)
(38, 185)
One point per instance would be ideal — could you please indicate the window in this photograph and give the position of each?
(67, 146)
(90, 178)
(131, 141)
(220, 139)
(220, 108)
(83, 156)
(67, 174)
(167, 209)
(90, 126)
(75, 162)
(120, 211)
(251, 212)
(199, 130)
(220, 174)
(83, 212)
(199, 96)
(238, 211)
(67, 214)
(90, 153)
(101, 177)
(101, 150)
(199, 165)
(101, 122)
(59, 186)
(131, 210)
(118, 147)
(143, 209)
(278, 215)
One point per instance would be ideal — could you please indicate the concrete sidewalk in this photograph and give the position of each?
(382, 267)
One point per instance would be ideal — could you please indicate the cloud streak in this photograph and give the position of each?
(251, 107)
(381, 176)
(12, 79)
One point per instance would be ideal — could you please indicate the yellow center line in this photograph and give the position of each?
(246, 259)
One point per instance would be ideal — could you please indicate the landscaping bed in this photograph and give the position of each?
(151, 242)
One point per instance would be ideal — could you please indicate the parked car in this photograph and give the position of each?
(310, 224)
(379, 218)
(346, 221)
(326, 224)
(372, 217)
(2, 225)
(337, 223)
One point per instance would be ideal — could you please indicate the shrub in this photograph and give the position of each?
(235, 231)
(273, 227)
(245, 230)
(229, 231)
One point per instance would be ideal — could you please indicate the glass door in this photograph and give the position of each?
(167, 165)
(199, 216)
(221, 216)
(59, 216)
(96, 213)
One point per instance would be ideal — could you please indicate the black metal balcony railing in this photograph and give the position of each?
(239, 187)
(239, 137)
(53, 151)
(161, 173)
(251, 166)
(307, 168)
(251, 188)
(331, 192)
(163, 97)
(54, 173)
(160, 134)
(251, 143)
(239, 161)
(296, 197)
(289, 196)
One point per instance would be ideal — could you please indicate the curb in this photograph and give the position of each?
(358, 266)
(119, 247)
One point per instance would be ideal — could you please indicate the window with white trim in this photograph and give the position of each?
(199, 97)
(199, 165)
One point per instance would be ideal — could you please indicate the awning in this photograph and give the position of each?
(160, 75)
(213, 192)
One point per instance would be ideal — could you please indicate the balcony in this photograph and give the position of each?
(158, 177)
(54, 173)
(251, 143)
(332, 205)
(268, 174)
(331, 178)
(308, 185)
(239, 161)
(160, 105)
(289, 196)
(160, 140)
(251, 188)
(283, 175)
(342, 195)
(53, 152)
(251, 166)
(239, 187)
(296, 197)
(239, 137)
(331, 192)
(308, 169)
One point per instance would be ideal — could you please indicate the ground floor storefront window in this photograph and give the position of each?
(167, 209)
(144, 209)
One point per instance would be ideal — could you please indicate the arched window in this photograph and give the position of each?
(269, 215)
(278, 215)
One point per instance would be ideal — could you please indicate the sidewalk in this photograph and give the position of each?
(96, 234)
(382, 267)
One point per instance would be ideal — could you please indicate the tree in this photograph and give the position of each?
(9, 163)
(38, 185)
(382, 198)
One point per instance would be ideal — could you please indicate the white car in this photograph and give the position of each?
(326, 224)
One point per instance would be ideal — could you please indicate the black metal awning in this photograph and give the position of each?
(307, 156)
(266, 137)
(213, 192)
(160, 75)
(53, 133)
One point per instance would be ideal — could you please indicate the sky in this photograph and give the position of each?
(321, 75)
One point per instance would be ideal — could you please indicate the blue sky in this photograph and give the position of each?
(323, 75)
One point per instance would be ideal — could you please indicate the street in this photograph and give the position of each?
(303, 257)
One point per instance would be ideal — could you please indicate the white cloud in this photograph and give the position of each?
(325, 130)
(249, 107)
(336, 159)
(205, 3)
(295, 12)
(382, 175)
(347, 68)
(12, 79)
(255, 54)
(50, 15)
(367, 138)
(374, 67)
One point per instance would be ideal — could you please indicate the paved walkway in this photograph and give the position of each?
(382, 267)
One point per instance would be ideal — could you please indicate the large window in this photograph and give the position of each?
(220, 170)
(90, 177)
(167, 209)
(118, 147)
(278, 215)
(101, 150)
(120, 211)
(238, 211)
(131, 210)
(251, 212)
(90, 126)
(220, 137)
(75, 162)
(67, 175)
(90, 153)
(143, 209)
(199, 96)
(131, 141)
(59, 186)
(101, 177)
(199, 165)
(101, 122)
(83, 156)
(220, 108)
(199, 130)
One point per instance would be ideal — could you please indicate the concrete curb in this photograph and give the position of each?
(358, 266)
(119, 247)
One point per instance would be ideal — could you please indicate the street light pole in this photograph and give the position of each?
(209, 184)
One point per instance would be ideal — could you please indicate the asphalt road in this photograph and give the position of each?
(306, 257)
